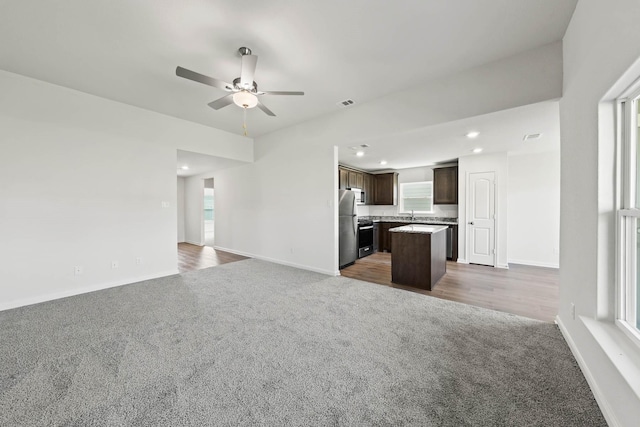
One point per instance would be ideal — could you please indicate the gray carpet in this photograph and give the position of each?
(254, 343)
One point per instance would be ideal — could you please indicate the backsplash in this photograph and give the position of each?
(439, 211)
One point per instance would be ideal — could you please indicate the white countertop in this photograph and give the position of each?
(419, 228)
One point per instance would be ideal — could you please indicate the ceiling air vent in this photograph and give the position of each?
(531, 136)
(345, 103)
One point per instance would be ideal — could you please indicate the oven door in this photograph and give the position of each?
(365, 240)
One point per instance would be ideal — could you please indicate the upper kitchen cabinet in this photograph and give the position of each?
(445, 186)
(343, 178)
(355, 179)
(386, 189)
(369, 188)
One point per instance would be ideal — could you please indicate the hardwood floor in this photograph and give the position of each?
(524, 290)
(193, 257)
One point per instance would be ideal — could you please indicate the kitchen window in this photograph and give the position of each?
(416, 197)
(628, 254)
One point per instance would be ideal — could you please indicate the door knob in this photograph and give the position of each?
(471, 223)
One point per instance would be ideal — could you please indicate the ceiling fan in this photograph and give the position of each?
(243, 91)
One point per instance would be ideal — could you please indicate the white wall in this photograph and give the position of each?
(282, 207)
(194, 210)
(484, 163)
(180, 209)
(533, 234)
(415, 175)
(83, 182)
(600, 46)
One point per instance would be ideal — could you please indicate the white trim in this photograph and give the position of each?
(462, 261)
(534, 263)
(504, 266)
(83, 290)
(600, 397)
(277, 261)
(191, 242)
(632, 333)
(626, 244)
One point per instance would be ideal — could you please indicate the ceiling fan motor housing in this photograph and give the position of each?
(236, 86)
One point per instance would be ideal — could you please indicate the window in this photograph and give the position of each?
(628, 257)
(416, 197)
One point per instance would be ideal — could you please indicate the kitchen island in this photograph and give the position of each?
(418, 255)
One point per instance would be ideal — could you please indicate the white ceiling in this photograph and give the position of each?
(332, 50)
(502, 131)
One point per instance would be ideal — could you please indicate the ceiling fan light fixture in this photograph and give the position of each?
(245, 99)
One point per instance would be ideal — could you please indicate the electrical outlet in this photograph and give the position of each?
(573, 311)
(138, 261)
(114, 264)
(78, 270)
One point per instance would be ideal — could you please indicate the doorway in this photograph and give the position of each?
(481, 218)
(208, 213)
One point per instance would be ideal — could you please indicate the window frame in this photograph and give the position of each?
(627, 213)
(401, 207)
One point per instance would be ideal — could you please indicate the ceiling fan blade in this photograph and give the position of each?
(222, 102)
(248, 70)
(201, 78)
(265, 109)
(279, 92)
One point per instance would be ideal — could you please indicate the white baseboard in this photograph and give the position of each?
(83, 290)
(504, 266)
(602, 401)
(191, 242)
(462, 261)
(277, 261)
(534, 263)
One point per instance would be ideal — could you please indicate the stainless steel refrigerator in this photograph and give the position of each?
(348, 227)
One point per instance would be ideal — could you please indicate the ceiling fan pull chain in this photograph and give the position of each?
(244, 121)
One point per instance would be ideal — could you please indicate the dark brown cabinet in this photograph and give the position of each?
(343, 179)
(454, 242)
(445, 186)
(384, 236)
(368, 187)
(386, 189)
(349, 178)
(353, 179)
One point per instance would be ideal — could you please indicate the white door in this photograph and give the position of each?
(481, 220)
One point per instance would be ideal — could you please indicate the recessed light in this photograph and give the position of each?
(360, 153)
(185, 168)
(383, 162)
(473, 134)
(477, 150)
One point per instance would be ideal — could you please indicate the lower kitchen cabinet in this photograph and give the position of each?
(454, 242)
(384, 242)
(376, 237)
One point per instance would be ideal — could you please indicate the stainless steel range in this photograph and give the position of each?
(365, 237)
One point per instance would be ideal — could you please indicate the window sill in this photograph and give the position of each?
(619, 348)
